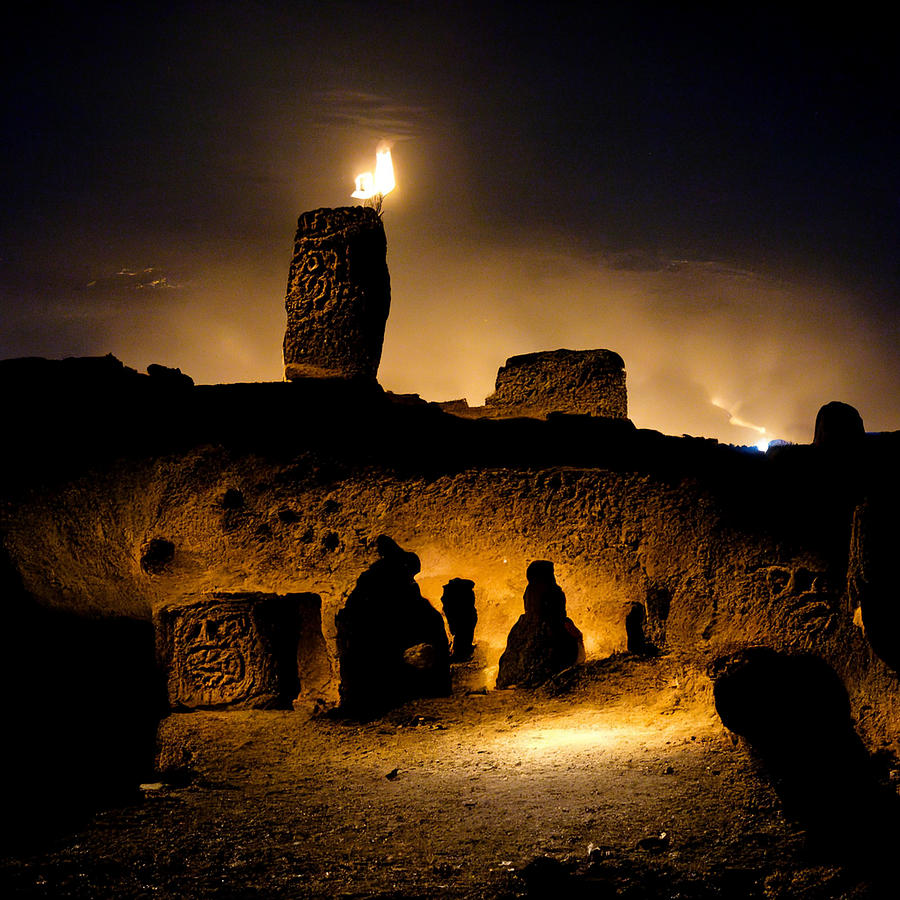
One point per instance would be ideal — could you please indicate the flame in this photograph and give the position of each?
(375, 187)
(365, 186)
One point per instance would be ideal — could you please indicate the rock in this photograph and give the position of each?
(458, 602)
(151, 787)
(544, 641)
(338, 295)
(656, 843)
(590, 382)
(169, 375)
(242, 650)
(767, 696)
(420, 656)
(794, 712)
(391, 641)
(599, 853)
(839, 426)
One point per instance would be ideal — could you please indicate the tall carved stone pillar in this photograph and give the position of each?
(338, 294)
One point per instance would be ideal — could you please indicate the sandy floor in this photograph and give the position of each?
(617, 782)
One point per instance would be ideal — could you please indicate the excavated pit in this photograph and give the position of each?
(617, 777)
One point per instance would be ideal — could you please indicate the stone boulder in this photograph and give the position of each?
(544, 640)
(458, 602)
(839, 426)
(794, 711)
(391, 641)
(338, 295)
(242, 650)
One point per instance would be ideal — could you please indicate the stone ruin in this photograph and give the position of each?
(262, 651)
(242, 650)
(338, 299)
(635, 509)
(544, 640)
(338, 295)
(536, 385)
(585, 382)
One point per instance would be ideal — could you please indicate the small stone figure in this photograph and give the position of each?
(391, 641)
(458, 601)
(544, 641)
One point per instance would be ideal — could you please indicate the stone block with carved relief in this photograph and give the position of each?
(241, 650)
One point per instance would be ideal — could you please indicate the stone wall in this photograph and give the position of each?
(338, 294)
(590, 382)
(722, 548)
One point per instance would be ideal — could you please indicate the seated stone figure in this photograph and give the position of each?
(544, 640)
(391, 641)
(458, 601)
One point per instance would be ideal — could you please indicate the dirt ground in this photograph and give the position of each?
(616, 780)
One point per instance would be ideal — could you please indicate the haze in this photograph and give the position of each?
(716, 199)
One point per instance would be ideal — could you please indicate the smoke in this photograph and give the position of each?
(519, 142)
(706, 346)
(217, 320)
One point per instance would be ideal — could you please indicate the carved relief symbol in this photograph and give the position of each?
(213, 645)
(314, 276)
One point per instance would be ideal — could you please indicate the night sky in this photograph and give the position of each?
(715, 196)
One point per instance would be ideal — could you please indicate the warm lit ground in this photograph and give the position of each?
(454, 797)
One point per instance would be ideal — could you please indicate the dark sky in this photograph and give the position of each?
(715, 196)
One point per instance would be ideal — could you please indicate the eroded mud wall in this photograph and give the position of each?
(720, 549)
(616, 538)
